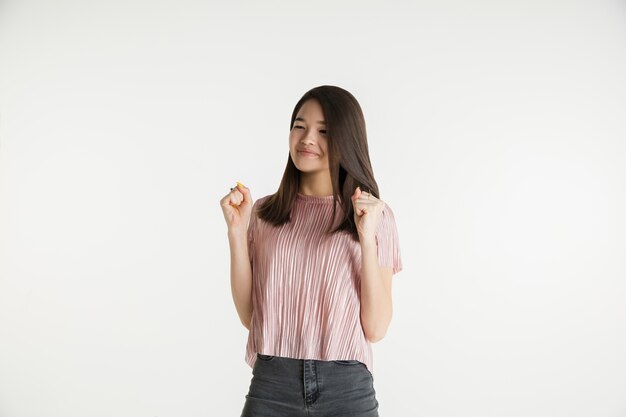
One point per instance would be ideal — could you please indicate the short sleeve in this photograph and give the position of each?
(387, 241)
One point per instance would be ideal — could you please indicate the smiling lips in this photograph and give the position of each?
(307, 153)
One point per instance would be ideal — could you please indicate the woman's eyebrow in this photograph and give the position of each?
(300, 119)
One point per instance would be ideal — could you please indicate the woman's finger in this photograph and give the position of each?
(244, 191)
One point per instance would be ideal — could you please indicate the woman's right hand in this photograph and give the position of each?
(237, 207)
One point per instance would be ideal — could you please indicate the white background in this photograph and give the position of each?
(497, 133)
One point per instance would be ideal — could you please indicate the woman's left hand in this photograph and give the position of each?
(367, 212)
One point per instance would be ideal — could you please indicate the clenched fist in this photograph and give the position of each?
(237, 207)
(367, 213)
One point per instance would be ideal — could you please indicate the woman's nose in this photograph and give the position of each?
(308, 138)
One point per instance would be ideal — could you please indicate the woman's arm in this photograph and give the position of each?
(241, 275)
(376, 306)
(237, 207)
(376, 303)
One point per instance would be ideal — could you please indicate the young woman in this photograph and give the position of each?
(311, 268)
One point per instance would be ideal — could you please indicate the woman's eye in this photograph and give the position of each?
(302, 127)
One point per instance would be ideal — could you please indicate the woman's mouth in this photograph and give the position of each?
(305, 153)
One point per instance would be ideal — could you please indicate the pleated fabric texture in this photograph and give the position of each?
(306, 286)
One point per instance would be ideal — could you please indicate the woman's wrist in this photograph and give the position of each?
(367, 241)
(237, 233)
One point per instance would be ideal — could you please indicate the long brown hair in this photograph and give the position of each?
(348, 159)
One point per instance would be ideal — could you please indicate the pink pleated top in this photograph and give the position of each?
(306, 287)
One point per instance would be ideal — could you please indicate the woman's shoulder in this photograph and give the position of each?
(258, 202)
(261, 200)
(388, 218)
(387, 208)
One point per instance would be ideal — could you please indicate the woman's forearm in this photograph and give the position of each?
(241, 275)
(376, 305)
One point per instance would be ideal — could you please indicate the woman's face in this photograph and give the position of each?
(307, 139)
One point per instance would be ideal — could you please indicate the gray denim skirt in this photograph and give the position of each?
(286, 387)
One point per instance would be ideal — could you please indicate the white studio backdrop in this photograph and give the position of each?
(497, 133)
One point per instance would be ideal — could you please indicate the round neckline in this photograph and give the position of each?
(315, 198)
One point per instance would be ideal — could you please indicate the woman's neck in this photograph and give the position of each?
(315, 183)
